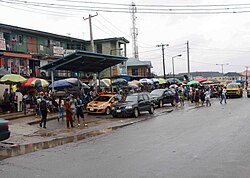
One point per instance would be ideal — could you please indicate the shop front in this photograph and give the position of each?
(15, 63)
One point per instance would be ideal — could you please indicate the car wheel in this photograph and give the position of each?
(248, 96)
(151, 110)
(173, 103)
(160, 105)
(108, 111)
(136, 112)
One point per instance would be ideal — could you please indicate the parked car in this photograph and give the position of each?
(4, 130)
(134, 105)
(103, 103)
(163, 96)
(234, 89)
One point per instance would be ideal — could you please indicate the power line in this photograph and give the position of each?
(115, 26)
(123, 10)
(159, 5)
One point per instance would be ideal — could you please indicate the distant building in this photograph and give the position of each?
(136, 67)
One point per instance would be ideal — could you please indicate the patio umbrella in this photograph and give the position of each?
(107, 80)
(41, 82)
(28, 82)
(146, 81)
(155, 80)
(208, 82)
(162, 81)
(173, 81)
(133, 85)
(120, 81)
(12, 78)
(173, 86)
(136, 82)
(60, 84)
(193, 82)
(200, 79)
(74, 81)
(102, 83)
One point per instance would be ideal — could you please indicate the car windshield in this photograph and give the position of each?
(232, 86)
(131, 98)
(102, 98)
(157, 92)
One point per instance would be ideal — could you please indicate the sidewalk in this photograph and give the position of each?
(27, 136)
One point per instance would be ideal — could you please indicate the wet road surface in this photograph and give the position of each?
(188, 142)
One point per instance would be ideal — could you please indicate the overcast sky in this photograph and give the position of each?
(213, 38)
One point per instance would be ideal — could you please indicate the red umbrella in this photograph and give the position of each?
(28, 82)
(200, 79)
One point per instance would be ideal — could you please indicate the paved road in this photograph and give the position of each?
(191, 142)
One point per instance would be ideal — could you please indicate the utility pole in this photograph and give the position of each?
(188, 62)
(163, 60)
(92, 48)
(222, 67)
(91, 32)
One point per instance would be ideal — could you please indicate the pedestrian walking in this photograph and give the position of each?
(79, 111)
(73, 107)
(182, 97)
(202, 97)
(44, 111)
(176, 95)
(223, 96)
(38, 111)
(207, 97)
(24, 102)
(60, 108)
(196, 97)
(69, 114)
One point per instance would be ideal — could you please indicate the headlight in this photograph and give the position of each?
(102, 105)
(128, 107)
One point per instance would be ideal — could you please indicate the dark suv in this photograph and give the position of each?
(133, 105)
(163, 96)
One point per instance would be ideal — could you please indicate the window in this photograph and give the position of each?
(47, 43)
(69, 46)
(19, 39)
(146, 97)
(134, 71)
(1, 35)
(140, 98)
(99, 48)
(144, 72)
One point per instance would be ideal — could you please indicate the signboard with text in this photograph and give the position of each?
(58, 51)
(2, 44)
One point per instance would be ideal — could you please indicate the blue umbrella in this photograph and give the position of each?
(60, 84)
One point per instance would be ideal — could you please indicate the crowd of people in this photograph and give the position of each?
(200, 95)
(73, 106)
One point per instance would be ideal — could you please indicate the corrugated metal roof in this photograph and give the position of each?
(84, 61)
(136, 62)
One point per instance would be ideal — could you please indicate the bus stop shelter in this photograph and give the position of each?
(83, 61)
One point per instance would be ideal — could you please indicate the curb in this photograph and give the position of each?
(16, 149)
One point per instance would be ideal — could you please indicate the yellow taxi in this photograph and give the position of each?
(248, 90)
(234, 89)
(103, 104)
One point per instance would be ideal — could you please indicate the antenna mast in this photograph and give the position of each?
(134, 31)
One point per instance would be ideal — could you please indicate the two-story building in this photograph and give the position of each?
(23, 51)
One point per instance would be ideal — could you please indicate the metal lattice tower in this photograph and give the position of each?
(134, 31)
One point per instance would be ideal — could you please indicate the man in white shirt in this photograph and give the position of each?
(223, 96)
